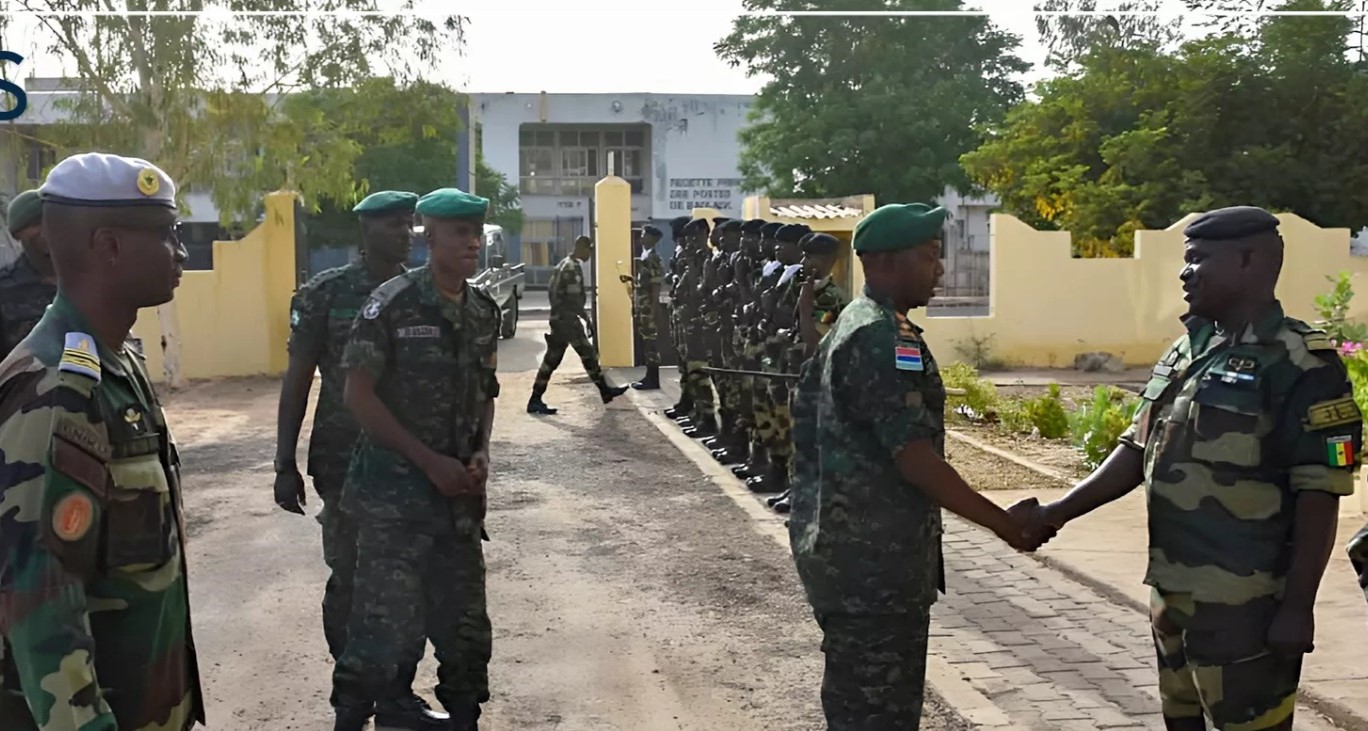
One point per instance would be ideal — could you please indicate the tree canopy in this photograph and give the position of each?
(868, 105)
(213, 98)
(1137, 137)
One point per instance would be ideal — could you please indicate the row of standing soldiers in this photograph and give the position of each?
(748, 301)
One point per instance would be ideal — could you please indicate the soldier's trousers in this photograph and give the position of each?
(781, 430)
(762, 416)
(411, 581)
(648, 332)
(875, 670)
(1214, 657)
(698, 387)
(567, 332)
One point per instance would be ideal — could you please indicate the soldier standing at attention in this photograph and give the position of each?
(321, 318)
(1245, 440)
(761, 436)
(27, 284)
(650, 276)
(421, 383)
(866, 522)
(568, 322)
(702, 422)
(820, 301)
(678, 262)
(96, 614)
(778, 337)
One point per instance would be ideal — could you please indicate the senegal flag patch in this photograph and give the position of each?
(1340, 451)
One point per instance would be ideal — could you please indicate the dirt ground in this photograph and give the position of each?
(626, 592)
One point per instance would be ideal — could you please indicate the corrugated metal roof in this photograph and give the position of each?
(810, 210)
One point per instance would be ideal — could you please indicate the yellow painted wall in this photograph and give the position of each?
(233, 320)
(1047, 308)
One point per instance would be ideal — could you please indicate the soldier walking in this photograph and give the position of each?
(871, 478)
(1245, 440)
(92, 538)
(421, 382)
(321, 317)
(568, 322)
(28, 284)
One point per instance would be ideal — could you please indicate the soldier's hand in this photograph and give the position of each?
(479, 468)
(1292, 631)
(624, 279)
(450, 477)
(289, 491)
(1033, 531)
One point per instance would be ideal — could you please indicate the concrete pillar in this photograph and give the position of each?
(613, 244)
(278, 228)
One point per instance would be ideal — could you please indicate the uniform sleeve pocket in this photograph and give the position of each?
(1155, 388)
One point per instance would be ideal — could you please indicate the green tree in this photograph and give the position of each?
(1069, 37)
(868, 105)
(202, 96)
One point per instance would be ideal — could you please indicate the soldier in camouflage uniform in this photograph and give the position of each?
(750, 260)
(866, 524)
(678, 262)
(777, 338)
(820, 301)
(757, 315)
(699, 340)
(321, 317)
(421, 382)
(27, 284)
(729, 446)
(650, 277)
(568, 322)
(1245, 440)
(96, 620)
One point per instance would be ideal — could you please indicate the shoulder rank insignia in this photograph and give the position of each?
(372, 310)
(1328, 414)
(80, 356)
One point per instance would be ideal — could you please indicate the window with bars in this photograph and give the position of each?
(556, 160)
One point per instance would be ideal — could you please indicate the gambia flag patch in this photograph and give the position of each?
(1341, 451)
(908, 357)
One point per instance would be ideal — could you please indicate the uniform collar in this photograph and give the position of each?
(1262, 329)
(886, 302)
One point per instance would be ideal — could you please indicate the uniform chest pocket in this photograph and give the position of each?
(138, 520)
(1228, 423)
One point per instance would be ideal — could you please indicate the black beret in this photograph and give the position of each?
(819, 244)
(696, 226)
(730, 225)
(649, 230)
(792, 233)
(770, 229)
(678, 223)
(753, 226)
(1236, 222)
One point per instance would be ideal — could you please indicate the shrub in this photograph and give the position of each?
(980, 399)
(1097, 425)
(1046, 414)
(1334, 311)
(1013, 419)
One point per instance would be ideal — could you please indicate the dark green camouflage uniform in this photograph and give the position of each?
(568, 298)
(420, 565)
(762, 417)
(866, 542)
(650, 274)
(24, 296)
(94, 605)
(321, 316)
(778, 344)
(1232, 430)
(698, 341)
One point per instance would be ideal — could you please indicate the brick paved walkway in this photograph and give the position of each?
(1050, 652)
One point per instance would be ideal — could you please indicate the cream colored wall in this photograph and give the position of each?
(613, 244)
(234, 319)
(1047, 308)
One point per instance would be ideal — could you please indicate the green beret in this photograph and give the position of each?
(386, 201)
(25, 210)
(452, 203)
(1229, 224)
(896, 227)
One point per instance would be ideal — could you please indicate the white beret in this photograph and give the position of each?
(101, 179)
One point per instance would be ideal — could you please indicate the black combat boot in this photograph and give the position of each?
(782, 505)
(412, 713)
(681, 409)
(465, 719)
(608, 393)
(651, 382)
(732, 451)
(756, 466)
(352, 718)
(535, 405)
(702, 428)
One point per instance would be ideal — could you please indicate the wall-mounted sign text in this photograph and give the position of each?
(722, 194)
